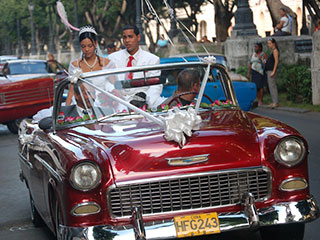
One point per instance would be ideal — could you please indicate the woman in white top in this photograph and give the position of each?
(283, 28)
(91, 58)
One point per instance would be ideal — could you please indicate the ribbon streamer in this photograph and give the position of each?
(64, 18)
(179, 123)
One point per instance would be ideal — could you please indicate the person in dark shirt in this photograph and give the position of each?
(271, 70)
(188, 81)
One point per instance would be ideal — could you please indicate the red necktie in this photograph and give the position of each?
(130, 75)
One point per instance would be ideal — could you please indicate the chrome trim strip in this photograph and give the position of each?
(189, 160)
(292, 179)
(48, 167)
(141, 181)
(280, 213)
(157, 179)
(137, 222)
(85, 204)
(25, 161)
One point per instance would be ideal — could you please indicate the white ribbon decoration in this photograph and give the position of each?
(179, 123)
(75, 75)
(210, 59)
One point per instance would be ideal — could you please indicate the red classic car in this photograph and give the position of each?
(103, 168)
(26, 86)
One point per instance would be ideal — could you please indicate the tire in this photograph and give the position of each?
(293, 231)
(35, 216)
(13, 126)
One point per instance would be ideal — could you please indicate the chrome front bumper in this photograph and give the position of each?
(281, 213)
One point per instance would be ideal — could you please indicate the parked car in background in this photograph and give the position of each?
(4, 59)
(246, 91)
(26, 86)
(94, 172)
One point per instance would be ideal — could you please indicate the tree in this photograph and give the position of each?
(191, 8)
(313, 7)
(224, 12)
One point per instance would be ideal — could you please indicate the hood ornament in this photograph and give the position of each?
(185, 161)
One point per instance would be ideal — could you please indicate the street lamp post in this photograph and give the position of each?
(76, 43)
(51, 44)
(244, 20)
(33, 44)
(139, 22)
(19, 38)
(173, 26)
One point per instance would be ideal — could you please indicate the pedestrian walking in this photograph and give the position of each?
(256, 70)
(271, 70)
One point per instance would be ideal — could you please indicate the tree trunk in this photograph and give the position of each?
(274, 9)
(222, 20)
(117, 24)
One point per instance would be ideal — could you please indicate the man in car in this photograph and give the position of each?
(188, 82)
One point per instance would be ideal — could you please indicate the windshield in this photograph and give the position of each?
(146, 91)
(28, 68)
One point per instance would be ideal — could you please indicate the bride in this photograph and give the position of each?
(91, 59)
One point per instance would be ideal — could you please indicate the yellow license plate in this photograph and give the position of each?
(199, 224)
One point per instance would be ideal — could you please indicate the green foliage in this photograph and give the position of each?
(107, 16)
(295, 80)
(243, 70)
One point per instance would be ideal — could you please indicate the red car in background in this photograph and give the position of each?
(26, 86)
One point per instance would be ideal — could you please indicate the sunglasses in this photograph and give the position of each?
(272, 40)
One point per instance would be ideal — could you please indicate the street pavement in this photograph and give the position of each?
(15, 220)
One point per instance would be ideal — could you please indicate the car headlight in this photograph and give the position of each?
(85, 176)
(290, 151)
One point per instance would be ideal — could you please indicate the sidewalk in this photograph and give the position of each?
(288, 109)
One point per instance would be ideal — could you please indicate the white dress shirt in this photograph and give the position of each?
(141, 58)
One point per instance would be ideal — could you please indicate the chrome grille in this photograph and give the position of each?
(191, 192)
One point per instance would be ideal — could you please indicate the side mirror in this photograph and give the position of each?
(45, 123)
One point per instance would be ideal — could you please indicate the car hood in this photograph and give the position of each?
(137, 148)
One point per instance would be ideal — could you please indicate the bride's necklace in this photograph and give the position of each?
(90, 66)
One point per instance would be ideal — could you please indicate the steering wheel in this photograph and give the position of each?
(177, 100)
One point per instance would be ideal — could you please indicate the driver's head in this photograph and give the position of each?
(188, 81)
(87, 93)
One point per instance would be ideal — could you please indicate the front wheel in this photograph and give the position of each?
(35, 216)
(13, 126)
(292, 231)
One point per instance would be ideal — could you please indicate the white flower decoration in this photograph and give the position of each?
(179, 123)
(75, 75)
